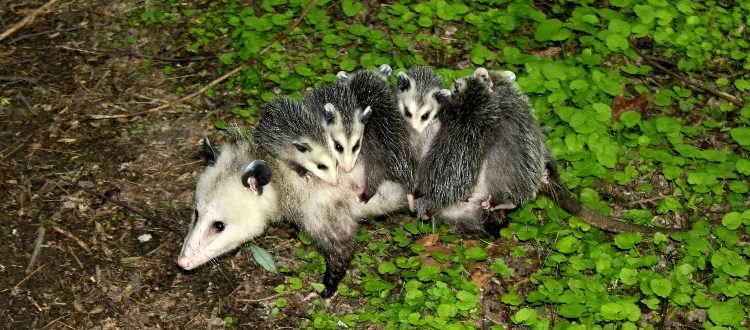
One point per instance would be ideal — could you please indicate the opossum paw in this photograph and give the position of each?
(410, 202)
(545, 177)
(311, 296)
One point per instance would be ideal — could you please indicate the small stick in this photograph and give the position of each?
(27, 277)
(220, 79)
(27, 19)
(78, 261)
(37, 247)
(81, 243)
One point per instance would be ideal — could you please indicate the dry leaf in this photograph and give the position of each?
(621, 104)
(480, 278)
(470, 243)
(429, 240)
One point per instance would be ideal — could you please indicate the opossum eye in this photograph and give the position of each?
(218, 226)
(407, 113)
(356, 147)
(338, 147)
(425, 116)
(322, 167)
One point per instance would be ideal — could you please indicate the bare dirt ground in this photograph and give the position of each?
(91, 269)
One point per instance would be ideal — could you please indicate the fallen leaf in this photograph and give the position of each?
(470, 243)
(480, 278)
(429, 261)
(429, 240)
(621, 104)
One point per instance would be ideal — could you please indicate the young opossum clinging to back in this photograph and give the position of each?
(490, 156)
(243, 189)
(488, 153)
(293, 134)
(386, 152)
(419, 94)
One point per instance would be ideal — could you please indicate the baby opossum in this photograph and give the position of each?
(294, 134)
(244, 188)
(386, 153)
(490, 156)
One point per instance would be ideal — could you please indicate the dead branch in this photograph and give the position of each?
(28, 19)
(692, 82)
(216, 81)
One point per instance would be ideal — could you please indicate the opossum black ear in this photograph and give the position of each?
(386, 71)
(342, 78)
(302, 147)
(329, 113)
(402, 82)
(442, 95)
(209, 153)
(257, 175)
(366, 115)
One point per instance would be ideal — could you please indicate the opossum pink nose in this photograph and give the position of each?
(335, 182)
(347, 168)
(183, 262)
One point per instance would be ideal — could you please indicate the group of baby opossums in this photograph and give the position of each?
(463, 154)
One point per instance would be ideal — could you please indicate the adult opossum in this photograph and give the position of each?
(489, 155)
(244, 188)
(386, 152)
(292, 133)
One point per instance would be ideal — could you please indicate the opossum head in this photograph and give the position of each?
(234, 199)
(345, 138)
(419, 101)
(316, 159)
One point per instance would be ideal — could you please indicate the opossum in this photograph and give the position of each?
(344, 121)
(386, 153)
(244, 188)
(489, 155)
(292, 133)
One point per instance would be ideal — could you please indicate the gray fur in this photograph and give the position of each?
(284, 122)
(339, 95)
(487, 136)
(386, 152)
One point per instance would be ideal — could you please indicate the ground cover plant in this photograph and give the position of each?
(643, 102)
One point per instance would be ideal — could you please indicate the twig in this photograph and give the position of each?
(80, 243)
(27, 19)
(17, 78)
(79, 50)
(220, 79)
(695, 83)
(15, 287)
(17, 39)
(121, 204)
(37, 247)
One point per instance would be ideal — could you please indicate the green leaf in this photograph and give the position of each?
(351, 8)
(727, 313)
(661, 287)
(630, 118)
(475, 253)
(428, 273)
(479, 54)
(628, 276)
(742, 84)
(567, 245)
(511, 299)
(618, 311)
(741, 135)
(502, 269)
(732, 220)
(263, 258)
(526, 316)
(446, 311)
(628, 240)
(551, 30)
(387, 267)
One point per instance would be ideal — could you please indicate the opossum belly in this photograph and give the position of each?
(388, 198)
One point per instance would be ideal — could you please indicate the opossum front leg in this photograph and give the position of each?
(410, 202)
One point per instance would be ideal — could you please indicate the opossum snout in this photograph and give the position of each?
(184, 262)
(347, 168)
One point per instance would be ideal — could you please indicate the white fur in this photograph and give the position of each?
(319, 155)
(418, 117)
(347, 157)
